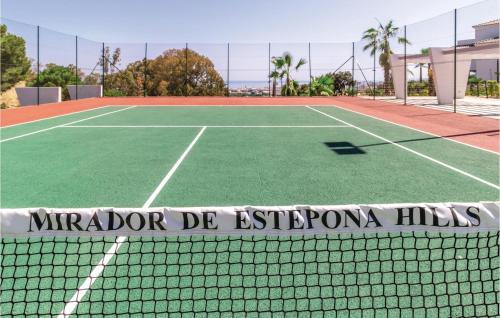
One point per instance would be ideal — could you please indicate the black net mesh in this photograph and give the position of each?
(356, 275)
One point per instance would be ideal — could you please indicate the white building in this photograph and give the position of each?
(484, 33)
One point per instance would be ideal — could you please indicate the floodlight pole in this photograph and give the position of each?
(38, 65)
(76, 66)
(145, 67)
(405, 69)
(455, 66)
(310, 71)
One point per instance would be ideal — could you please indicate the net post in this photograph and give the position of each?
(352, 70)
(405, 69)
(76, 66)
(38, 65)
(145, 68)
(310, 69)
(186, 71)
(228, 69)
(103, 68)
(269, 67)
(455, 63)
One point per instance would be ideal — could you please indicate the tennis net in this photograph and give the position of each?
(364, 265)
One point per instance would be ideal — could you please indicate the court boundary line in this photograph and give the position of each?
(408, 127)
(410, 150)
(56, 116)
(96, 272)
(62, 125)
(208, 126)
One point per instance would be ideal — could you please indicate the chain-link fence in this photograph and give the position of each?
(444, 58)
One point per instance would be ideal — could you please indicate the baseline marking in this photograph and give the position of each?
(408, 127)
(96, 272)
(200, 126)
(411, 150)
(36, 120)
(62, 125)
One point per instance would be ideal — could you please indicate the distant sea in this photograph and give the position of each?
(254, 84)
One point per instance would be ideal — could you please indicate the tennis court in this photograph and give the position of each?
(186, 156)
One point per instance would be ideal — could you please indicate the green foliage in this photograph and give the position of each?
(15, 65)
(417, 88)
(58, 76)
(342, 82)
(322, 85)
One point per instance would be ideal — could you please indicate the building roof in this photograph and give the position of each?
(492, 22)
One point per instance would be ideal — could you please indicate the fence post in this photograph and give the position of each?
(310, 70)
(374, 68)
(186, 73)
(405, 69)
(269, 68)
(103, 69)
(228, 69)
(145, 68)
(38, 65)
(352, 72)
(455, 65)
(76, 66)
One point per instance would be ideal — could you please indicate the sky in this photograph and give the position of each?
(208, 25)
(205, 21)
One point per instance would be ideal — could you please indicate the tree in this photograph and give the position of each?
(342, 82)
(15, 65)
(184, 72)
(58, 76)
(284, 64)
(430, 74)
(379, 40)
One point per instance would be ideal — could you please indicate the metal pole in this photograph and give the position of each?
(498, 68)
(103, 68)
(76, 66)
(374, 68)
(455, 67)
(310, 71)
(269, 67)
(186, 73)
(145, 67)
(352, 74)
(227, 69)
(38, 65)
(405, 69)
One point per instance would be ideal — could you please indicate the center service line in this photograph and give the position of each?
(96, 272)
(411, 150)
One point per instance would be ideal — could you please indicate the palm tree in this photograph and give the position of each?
(278, 63)
(322, 86)
(430, 74)
(379, 40)
(284, 66)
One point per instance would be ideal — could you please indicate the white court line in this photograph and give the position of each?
(200, 126)
(96, 272)
(41, 119)
(62, 125)
(415, 129)
(411, 150)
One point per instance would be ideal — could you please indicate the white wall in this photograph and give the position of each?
(486, 32)
(28, 95)
(485, 69)
(85, 91)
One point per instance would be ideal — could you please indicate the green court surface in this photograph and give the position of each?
(225, 156)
